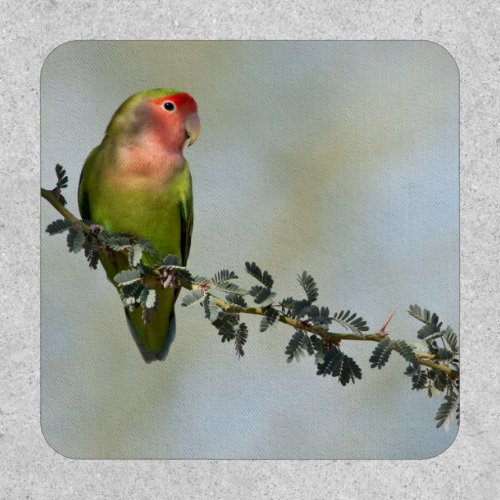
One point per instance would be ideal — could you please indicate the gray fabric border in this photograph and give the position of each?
(29, 468)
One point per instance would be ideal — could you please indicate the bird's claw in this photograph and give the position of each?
(169, 279)
(96, 229)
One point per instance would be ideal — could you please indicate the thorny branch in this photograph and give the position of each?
(424, 359)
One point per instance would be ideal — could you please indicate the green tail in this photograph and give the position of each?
(153, 338)
(156, 350)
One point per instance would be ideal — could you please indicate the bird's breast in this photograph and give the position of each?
(140, 168)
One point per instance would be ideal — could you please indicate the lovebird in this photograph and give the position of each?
(137, 181)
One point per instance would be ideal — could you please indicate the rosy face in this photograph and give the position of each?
(176, 116)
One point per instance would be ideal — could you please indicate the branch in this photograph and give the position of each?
(451, 372)
(333, 337)
(330, 337)
(54, 201)
(287, 320)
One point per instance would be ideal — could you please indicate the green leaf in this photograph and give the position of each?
(118, 242)
(184, 274)
(440, 380)
(264, 277)
(331, 359)
(431, 320)
(226, 330)
(240, 339)
(131, 293)
(237, 300)
(92, 251)
(100, 234)
(300, 308)
(381, 353)
(148, 298)
(351, 321)
(127, 277)
(338, 364)
(211, 309)
(428, 330)
(62, 178)
(192, 297)
(319, 316)
(271, 316)
(419, 380)
(226, 286)
(431, 338)
(309, 345)
(58, 226)
(224, 275)
(445, 411)
(135, 255)
(232, 319)
(412, 369)
(309, 285)
(199, 280)
(75, 238)
(406, 351)
(349, 371)
(146, 246)
(316, 342)
(62, 182)
(148, 303)
(288, 303)
(444, 354)
(432, 346)
(60, 197)
(262, 295)
(423, 315)
(451, 338)
(297, 345)
(170, 260)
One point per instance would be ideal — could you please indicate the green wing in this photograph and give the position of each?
(83, 196)
(186, 213)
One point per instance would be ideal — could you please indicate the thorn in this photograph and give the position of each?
(382, 331)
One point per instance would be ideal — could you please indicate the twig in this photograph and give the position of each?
(51, 198)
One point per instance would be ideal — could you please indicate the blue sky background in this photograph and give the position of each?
(340, 158)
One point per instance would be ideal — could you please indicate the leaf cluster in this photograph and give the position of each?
(422, 376)
(62, 182)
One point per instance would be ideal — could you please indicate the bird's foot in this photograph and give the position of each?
(96, 232)
(169, 279)
(96, 229)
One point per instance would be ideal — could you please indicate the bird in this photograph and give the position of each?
(137, 181)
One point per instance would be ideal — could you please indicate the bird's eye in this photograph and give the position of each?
(169, 106)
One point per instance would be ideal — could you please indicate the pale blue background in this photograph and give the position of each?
(337, 157)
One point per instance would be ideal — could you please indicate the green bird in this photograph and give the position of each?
(137, 181)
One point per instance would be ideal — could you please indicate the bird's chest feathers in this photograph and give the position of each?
(145, 167)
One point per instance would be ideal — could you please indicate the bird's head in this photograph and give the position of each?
(168, 116)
